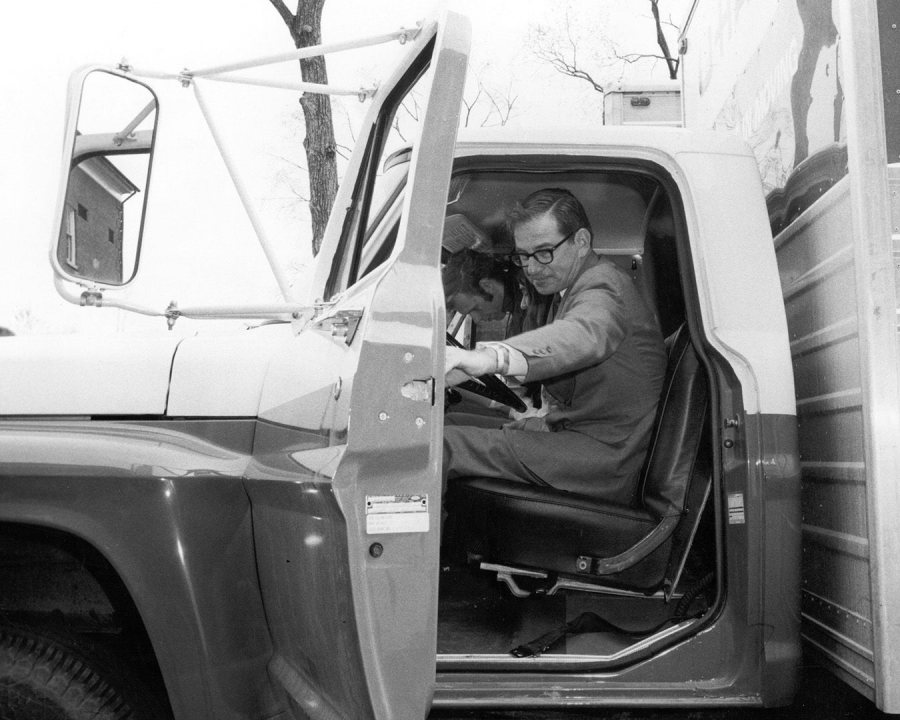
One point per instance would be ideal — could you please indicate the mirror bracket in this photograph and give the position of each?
(92, 298)
(172, 314)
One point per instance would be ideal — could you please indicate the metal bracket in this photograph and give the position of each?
(407, 34)
(582, 586)
(507, 575)
(344, 324)
(366, 93)
(172, 314)
(92, 298)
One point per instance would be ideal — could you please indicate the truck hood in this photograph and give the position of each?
(209, 376)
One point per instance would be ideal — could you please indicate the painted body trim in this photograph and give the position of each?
(169, 512)
(748, 654)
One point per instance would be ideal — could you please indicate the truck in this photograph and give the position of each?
(813, 89)
(249, 524)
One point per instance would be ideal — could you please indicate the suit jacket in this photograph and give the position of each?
(603, 361)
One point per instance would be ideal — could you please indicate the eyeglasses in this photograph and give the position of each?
(544, 256)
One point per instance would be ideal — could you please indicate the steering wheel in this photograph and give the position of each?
(490, 386)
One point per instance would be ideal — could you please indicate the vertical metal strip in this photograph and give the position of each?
(876, 306)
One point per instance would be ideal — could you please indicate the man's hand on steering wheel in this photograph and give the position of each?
(461, 366)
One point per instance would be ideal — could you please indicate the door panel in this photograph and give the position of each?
(345, 486)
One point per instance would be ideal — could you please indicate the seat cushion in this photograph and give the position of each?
(550, 529)
(541, 526)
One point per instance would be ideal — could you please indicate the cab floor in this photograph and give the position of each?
(478, 615)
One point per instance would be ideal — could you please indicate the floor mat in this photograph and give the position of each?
(477, 615)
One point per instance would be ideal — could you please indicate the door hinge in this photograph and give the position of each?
(344, 324)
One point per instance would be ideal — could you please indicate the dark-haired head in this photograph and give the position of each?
(559, 203)
(479, 284)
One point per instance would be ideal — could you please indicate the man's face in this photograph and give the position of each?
(542, 233)
(477, 306)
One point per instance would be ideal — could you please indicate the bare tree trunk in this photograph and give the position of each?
(671, 62)
(305, 27)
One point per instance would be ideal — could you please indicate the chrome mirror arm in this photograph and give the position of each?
(93, 297)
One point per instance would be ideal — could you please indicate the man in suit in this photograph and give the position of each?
(601, 361)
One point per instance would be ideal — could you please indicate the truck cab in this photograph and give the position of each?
(258, 516)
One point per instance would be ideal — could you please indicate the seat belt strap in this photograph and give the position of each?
(587, 622)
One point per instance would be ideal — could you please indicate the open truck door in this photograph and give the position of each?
(346, 482)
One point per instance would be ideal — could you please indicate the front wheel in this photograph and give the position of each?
(49, 677)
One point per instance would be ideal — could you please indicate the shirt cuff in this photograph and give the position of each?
(517, 363)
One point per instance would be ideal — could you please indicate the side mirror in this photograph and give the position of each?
(109, 150)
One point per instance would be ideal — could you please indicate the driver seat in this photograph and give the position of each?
(542, 532)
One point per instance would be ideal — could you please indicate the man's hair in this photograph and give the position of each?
(561, 204)
(464, 269)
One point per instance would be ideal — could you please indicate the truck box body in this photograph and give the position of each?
(643, 105)
(813, 88)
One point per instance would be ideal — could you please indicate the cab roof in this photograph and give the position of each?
(587, 140)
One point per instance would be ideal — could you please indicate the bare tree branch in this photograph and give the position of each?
(282, 10)
(410, 107)
(568, 67)
(297, 193)
(632, 58)
(506, 111)
(350, 129)
(470, 105)
(415, 110)
(563, 57)
(288, 161)
(562, 51)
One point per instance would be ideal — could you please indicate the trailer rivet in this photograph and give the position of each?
(376, 550)
(383, 416)
(408, 357)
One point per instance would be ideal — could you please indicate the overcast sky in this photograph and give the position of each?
(205, 254)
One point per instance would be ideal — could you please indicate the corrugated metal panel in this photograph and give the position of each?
(876, 307)
(816, 264)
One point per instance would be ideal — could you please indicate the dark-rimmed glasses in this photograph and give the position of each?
(544, 256)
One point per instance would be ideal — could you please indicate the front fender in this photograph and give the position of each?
(169, 512)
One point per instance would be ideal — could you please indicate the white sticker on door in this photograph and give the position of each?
(735, 508)
(387, 514)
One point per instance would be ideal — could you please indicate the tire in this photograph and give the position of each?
(46, 676)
